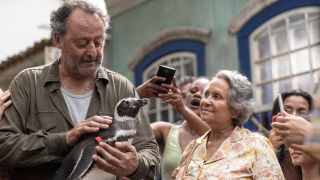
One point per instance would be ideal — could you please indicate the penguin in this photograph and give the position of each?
(78, 162)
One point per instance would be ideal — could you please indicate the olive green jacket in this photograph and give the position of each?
(33, 129)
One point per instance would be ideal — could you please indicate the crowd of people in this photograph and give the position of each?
(50, 108)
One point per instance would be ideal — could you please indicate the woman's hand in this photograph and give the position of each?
(150, 88)
(292, 129)
(308, 150)
(173, 97)
(4, 102)
(275, 139)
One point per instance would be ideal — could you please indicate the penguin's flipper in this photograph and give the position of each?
(83, 162)
(68, 164)
(78, 161)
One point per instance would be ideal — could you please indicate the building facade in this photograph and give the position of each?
(276, 43)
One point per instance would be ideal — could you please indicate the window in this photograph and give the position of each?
(285, 54)
(185, 65)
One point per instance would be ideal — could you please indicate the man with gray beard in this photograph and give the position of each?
(54, 106)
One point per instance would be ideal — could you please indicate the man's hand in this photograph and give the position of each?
(293, 129)
(150, 88)
(121, 160)
(90, 125)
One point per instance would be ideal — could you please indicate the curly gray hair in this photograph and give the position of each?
(59, 18)
(240, 95)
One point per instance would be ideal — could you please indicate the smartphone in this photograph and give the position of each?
(167, 72)
(280, 103)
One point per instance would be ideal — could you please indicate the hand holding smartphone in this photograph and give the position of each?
(166, 72)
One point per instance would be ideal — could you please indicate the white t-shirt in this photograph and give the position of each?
(77, 104)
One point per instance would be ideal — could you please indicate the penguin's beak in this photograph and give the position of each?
(142, 102)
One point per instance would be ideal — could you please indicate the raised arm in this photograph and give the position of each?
(161, 130)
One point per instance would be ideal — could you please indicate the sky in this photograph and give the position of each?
(20, 21)
(25, 22)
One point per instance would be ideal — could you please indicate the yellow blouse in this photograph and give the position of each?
(243, 155)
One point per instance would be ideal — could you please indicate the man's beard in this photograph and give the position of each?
(84, 71)
(75, 66)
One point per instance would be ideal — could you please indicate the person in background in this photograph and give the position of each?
(227, 150)
(294, 130)
(173, 138)
(4, 104)
(185, 84)
(55, 105)
(297, 103)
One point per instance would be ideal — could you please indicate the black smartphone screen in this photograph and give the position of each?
(167, 72)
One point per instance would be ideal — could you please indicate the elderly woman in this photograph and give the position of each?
(227, 150)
